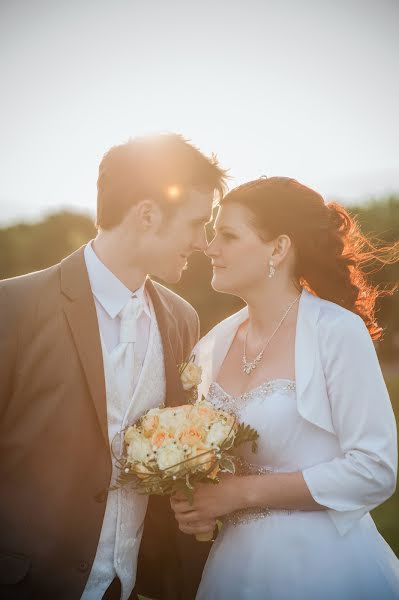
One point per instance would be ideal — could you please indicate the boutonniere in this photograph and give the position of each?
(190, 377)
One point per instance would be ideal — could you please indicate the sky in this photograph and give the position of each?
(301, 88)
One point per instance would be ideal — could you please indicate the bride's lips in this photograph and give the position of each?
(218, 267)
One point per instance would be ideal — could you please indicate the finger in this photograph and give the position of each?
(194, 521)
(182, 507)
(208, 525)
(179, 496)
(178, 502)
(195, 529)
(189, 517)
(186, 529)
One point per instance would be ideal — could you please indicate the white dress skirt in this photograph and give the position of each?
(292, 555)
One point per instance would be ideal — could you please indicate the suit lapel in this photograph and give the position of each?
(169, 334)
(81, 314)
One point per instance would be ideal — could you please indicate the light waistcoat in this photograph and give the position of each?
(121, 532)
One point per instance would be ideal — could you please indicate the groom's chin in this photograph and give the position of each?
(171, 277)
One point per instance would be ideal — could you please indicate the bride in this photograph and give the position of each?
(298, 364)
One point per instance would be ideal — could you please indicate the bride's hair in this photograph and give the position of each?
(332, 256)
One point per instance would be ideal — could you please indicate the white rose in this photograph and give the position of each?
(169, 456)
(191, 376)
(218, 433)
(173, 418)
(138, 448)
(153, 412)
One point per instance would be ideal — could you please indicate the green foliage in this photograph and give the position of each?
(30, 247)
(246, 433)
(379, 219)
(386, 515)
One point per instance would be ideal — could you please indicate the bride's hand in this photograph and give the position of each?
(210, 502)
(197, 527)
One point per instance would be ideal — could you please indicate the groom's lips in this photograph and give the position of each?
(218, 267)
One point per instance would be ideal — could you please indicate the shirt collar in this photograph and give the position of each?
(110, 292)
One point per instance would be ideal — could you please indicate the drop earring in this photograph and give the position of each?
(272, 269)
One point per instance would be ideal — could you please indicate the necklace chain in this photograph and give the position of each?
(250, 365)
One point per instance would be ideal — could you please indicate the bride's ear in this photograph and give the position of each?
(282, 246)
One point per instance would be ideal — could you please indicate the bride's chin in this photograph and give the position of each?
(218, 286)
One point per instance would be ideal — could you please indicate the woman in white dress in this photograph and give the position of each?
(298, 364)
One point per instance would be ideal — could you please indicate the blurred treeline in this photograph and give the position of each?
(30, 247)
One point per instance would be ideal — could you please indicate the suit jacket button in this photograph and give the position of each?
(83, 566)
(101, 496)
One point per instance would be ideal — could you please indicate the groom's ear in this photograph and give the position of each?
(148, 215)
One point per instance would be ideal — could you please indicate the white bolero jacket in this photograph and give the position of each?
(340, 389)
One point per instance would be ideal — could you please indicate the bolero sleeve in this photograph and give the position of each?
(363, 421)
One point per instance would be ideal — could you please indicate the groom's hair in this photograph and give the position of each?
(163, 167)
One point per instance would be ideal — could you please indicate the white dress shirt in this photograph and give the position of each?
(110, 297)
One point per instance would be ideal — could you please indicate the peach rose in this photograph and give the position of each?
(150, 424)
(190, 436)
(159, 438)
(203, 414)
(201, 456)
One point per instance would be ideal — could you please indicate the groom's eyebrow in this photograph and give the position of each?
(202, 221)
(222, 228)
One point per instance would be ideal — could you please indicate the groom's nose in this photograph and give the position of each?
(200, 243)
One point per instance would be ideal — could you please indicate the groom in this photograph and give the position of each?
(86, 347)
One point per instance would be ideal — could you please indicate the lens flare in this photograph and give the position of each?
(173, 193)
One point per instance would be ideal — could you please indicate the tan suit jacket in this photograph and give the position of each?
(55, 455)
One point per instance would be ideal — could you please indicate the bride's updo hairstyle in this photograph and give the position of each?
(331, 253)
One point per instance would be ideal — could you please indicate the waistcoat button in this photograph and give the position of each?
(83, 566)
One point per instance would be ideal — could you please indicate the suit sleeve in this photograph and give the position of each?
(365, 475)
(8, 349)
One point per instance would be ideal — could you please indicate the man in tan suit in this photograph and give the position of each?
(85, 346)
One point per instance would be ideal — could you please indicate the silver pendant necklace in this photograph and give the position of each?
(250, 365)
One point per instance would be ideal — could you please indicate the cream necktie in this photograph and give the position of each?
(123, 355)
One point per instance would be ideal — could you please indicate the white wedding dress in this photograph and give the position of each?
(292, 555)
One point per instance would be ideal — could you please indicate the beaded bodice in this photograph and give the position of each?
(271, 409)
(219, 397)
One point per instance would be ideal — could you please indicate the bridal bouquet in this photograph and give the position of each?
(171, 449)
